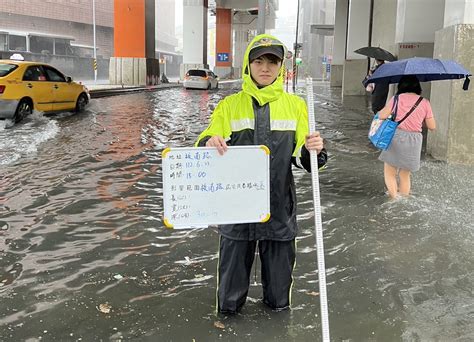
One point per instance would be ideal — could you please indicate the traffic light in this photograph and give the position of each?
(298, 60)
(297, 46)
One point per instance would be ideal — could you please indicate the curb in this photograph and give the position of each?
(98, 93)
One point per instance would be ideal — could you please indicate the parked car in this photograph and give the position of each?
(28, 86)
(201, 79)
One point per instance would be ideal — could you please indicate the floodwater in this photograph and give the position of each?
(84, 255)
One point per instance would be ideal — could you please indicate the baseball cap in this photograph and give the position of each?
(263, 50)
(265, 46)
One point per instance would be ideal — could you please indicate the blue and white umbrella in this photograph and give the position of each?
(425, 69)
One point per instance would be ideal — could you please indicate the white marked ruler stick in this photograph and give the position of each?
(317, 217)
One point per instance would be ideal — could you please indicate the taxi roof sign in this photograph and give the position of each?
(17, 57)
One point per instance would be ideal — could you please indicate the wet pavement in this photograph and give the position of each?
(84, 254)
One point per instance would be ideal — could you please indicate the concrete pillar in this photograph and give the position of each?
(415, 37)
(318, 35)
(417, 21)
(134, 61)
(240, 44)
(384, 24)
(312, 52)
(416, 24)
(244, 26)
(340, 35)
(453, 140)
(223, 66)
(458, 12)
(355, 66)
(194, 35)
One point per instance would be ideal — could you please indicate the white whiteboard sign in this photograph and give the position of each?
(201, 187)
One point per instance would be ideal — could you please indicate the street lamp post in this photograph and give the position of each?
(295, 54)
(94, 64)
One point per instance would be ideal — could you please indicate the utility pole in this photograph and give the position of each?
(295, 54)
(261, 17)
(95, 47)
(371, 23)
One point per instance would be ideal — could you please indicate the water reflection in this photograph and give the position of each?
(84, 254)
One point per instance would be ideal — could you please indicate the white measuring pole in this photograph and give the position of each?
(317, 218)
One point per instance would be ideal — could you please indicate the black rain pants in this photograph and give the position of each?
(235, 265)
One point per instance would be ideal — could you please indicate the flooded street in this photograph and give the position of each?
(85, 256)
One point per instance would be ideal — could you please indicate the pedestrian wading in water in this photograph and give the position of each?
(379, 92)
(403, 156)
(262, 113)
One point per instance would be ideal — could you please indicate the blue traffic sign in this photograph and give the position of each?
(223, 57)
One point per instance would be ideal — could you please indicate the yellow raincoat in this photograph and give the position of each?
(272, 117)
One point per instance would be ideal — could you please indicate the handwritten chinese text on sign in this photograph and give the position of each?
(201, 187)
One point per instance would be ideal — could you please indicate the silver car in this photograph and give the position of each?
(201, 79)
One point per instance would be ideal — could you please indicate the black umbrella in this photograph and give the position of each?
(425, 69)
(377, 53)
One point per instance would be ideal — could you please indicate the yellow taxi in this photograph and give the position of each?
(27, 86)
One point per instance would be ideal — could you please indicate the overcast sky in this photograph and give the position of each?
(287, 8)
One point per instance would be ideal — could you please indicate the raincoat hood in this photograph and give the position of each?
(271, 92)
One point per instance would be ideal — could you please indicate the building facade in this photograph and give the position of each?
(43, 25)
(60, 32)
